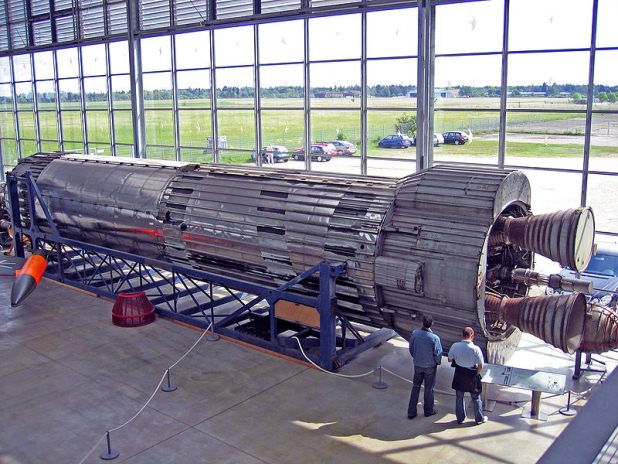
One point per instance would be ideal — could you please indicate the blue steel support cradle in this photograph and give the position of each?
(108, 272)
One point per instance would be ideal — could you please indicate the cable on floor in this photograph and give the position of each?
(156, 390)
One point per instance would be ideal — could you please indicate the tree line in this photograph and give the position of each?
(576, 92)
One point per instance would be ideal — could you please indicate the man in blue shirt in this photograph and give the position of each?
(468, 360)
(426, 350)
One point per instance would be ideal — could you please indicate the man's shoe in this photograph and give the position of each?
(432, 413)
(411, 417)
(460, 422)
(485, 419)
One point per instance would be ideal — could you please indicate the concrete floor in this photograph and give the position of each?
(67, 375)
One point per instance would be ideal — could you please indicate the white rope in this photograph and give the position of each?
(154, 393)
(328, 372)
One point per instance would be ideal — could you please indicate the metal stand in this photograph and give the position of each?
(169, 387)
(534, 410)
(568, 411)
(579, 369)
(379, 385)
(110, 454)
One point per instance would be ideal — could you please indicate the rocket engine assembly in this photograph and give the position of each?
(453, 242)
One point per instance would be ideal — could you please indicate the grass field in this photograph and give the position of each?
(284, 125)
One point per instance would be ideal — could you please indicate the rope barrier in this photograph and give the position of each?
(154, 393)
(328, 372)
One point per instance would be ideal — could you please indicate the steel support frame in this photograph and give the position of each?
(107, 272)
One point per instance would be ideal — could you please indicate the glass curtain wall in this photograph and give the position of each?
(537, 92)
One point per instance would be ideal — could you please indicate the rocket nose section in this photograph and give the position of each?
(23, 286)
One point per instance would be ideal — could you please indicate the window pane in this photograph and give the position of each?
(235, 88)
(26, 125)
(156, 54)
(9, 153)
(477, 144)
(193, 50)
(162, 153)
(281, 42)
(607, 33)
(335, 37)
(383, 124)
(100, 149)
(195, 128)
(28, 148)
(98, 126)
(194, 88)
(123, 125)
(327, 126)
(68, 63)
(158, 90)
(46, 95)
(549, 193)
(548, 80)
(195, 155)
(335, 84)
(6, 97)
(119, 57)
(69, 93)
(95, 89)
(390, 168)
(234, 46)
(392, 33)
(282, 86)
(545, 139)
(239, 129)
(74, 147)
(234, 157)
(22, 68)
(604, 143)
(286, 128)
(392, 83)
(602, 194)
(25, 99)
(50, 146)
(468, 82)
(606, 81)
(44, 65)
(7, 125)
(469, 27)
(72, 126)
(124, 151)
(121, 92)
(159, 127)
(5, 69)
(550, 24)
(48, 125)
(93, 59)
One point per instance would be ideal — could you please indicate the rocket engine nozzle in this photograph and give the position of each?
(564, 236)
(555, 319)
(600, 330)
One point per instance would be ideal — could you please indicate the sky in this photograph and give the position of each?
(460, 28)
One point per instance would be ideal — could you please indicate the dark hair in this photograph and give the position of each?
(468, 332)
(427, 321)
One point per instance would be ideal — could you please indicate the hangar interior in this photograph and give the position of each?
(463, 162)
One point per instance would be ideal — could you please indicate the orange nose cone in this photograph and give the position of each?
(28, 277)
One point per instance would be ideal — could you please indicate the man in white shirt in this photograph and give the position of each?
(468, 360)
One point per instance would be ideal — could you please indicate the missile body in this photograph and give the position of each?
(423, 244)
(28, 277)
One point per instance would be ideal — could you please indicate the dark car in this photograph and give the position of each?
(318, 153)
(455, 137)
(602, 271)
(344, 148)
(396, 141)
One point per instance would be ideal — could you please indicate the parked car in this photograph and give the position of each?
(279, 152)
(455, 137)
(602, 271)
(396, 141)
(344, 148)
(318, 153)
(328, 147)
